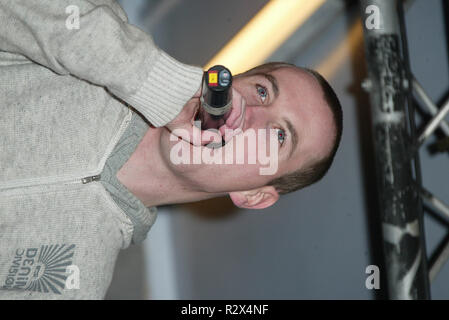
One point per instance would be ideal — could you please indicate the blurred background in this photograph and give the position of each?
(315, 243)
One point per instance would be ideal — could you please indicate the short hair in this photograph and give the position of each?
(304, 177)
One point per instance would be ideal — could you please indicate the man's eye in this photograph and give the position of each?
(262, 92)
(280, 135)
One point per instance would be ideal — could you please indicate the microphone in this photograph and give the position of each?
(216, 98)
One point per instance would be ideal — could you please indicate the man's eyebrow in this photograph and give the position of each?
(294, 135)
(274, 83)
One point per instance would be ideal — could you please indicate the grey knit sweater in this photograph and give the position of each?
(128, 202)
(63, 96)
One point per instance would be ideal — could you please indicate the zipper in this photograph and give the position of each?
(91, 178)
(37, 182)
(84, 180)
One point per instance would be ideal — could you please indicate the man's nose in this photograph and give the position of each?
(256, 117)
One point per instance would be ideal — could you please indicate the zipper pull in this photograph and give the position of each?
(90, 179)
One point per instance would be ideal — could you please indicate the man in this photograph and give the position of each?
(90, 115)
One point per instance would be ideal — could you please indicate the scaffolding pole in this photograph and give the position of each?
(399, 196)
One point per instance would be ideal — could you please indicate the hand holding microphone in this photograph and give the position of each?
(212, 107)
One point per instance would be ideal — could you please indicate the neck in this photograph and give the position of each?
(148, 177)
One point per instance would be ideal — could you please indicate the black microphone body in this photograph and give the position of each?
(216, 98)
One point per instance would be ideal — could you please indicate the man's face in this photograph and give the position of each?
(290, 102)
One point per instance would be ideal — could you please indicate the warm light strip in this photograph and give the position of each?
(350, 46)
(264, 33)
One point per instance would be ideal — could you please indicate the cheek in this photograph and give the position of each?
(258, 149)
(256, 117)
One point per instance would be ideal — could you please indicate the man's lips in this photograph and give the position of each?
(236, 118)
(234, 124)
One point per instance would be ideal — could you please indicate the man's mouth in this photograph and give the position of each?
(233, 125)
(235, 122)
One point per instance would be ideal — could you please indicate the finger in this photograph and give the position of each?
(211, 138)
(227, 133)
(196, 136)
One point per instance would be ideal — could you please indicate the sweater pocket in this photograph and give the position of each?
(59, 242)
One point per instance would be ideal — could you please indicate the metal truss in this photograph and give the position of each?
(391, 86)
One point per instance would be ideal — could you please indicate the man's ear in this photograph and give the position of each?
(259, 198)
